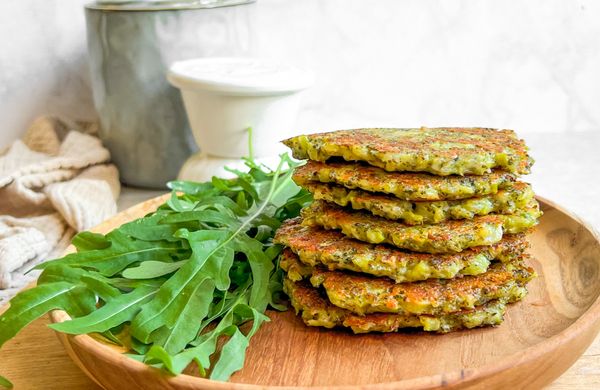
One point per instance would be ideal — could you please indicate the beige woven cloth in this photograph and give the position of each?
(53, 183)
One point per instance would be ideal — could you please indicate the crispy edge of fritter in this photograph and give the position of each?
(364, 294)
(332, 249)
(505, 201)
(403, 185)
(523, 219)
(316, 311)
(441, 151)
(445, 237)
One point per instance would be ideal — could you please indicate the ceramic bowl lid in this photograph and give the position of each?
(239, 76)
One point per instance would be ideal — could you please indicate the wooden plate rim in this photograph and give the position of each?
(588, 319)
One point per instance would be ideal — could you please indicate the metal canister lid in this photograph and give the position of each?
(161, 5)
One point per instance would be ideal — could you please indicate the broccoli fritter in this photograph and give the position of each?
(440, 151)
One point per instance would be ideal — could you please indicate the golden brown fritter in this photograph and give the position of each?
(364, 294)
(333, 250)
(316, 311)
(403, 185)
(506, 201)
(440, 151)
(445, 237)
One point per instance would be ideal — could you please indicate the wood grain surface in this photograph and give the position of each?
(541, 338)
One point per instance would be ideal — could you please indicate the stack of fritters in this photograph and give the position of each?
(409, 228)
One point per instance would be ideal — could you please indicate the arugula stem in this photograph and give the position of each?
(250, 145)
(255, 214)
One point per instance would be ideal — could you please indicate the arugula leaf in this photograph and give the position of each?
(123, 251)
(112, 314)
(261, 266)
(86, 241)
(170, 299)
(29, 305)
(97, 283)
(151, 228)
(174, 339)
(206, 216)
(232, 357)
(103, 290)
(189, 187)
(200, 353)
(60, 273)
(5, 383)
(152, 269)
(174, 285)
(276, 289)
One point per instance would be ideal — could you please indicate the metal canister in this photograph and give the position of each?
(131, 45)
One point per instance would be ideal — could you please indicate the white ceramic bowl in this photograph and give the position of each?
(224, 97)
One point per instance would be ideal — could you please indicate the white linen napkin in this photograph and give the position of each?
(53, 183)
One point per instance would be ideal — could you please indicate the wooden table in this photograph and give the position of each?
(35, 359)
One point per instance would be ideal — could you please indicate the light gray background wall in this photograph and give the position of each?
(43, 68)
(533, 66)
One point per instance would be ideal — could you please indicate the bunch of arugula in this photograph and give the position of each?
(169, 285)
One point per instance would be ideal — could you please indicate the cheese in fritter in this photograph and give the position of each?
(333, 250)
(364, 294)
(316, 311)
(507, 201)
(440, 151)
(403, 185)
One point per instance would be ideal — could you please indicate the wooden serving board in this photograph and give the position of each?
(541, 337)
